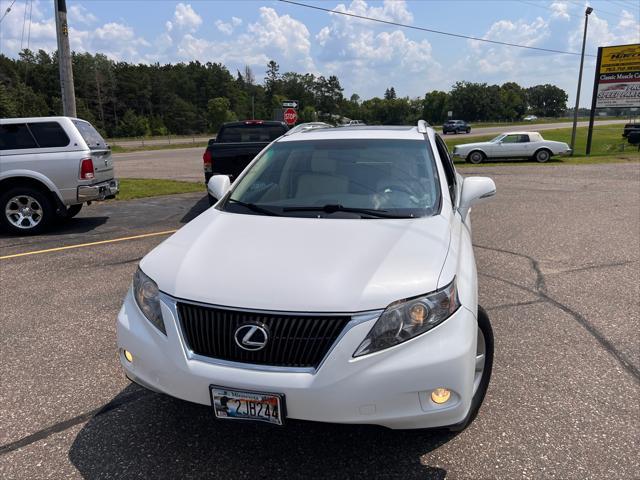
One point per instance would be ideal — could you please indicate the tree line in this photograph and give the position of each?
(125, 99)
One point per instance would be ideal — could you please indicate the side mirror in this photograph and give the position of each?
(218, 186)
(475, 190)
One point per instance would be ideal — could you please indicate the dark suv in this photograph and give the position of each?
(456, 126)
(629, 128)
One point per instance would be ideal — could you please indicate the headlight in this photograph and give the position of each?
(147, 297)
(405, 319)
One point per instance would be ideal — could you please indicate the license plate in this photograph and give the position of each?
(244, 405)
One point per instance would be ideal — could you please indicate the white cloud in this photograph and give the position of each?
(272, 36)
(280, 35)
(600, 32)
(369, 57)
(236, 21)
(168, 25)
(79, 14)
(560, 10)
(390, 11)
(43, 30)
(225, 28)
(186, 17)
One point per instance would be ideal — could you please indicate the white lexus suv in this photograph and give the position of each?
(334, 281)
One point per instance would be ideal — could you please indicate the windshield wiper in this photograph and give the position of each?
(330, 208)
(254, 208)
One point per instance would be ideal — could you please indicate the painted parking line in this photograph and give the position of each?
(82, 245)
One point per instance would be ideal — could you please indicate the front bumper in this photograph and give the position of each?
(389, 388)
(98, 191)
(568, 151)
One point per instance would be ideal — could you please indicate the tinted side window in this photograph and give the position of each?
(449, 170)
(90, 135)
(49, 134)
(524, 138)
(16, 136)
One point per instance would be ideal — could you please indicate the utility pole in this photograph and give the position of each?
(64, 60)
(575, 110)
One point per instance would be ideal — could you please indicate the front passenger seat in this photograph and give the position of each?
(323, 179)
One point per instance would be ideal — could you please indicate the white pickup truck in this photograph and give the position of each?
(49, 167)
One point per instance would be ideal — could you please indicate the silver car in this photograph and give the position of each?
(512, 145)
(49, 167)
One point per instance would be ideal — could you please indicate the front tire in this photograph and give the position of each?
(25, 210)
(483, 369)
(476, 157)
(542, 155)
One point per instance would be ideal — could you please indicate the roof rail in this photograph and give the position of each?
(304, 127)
(422, 126)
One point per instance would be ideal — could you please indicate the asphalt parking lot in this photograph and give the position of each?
(558, 255)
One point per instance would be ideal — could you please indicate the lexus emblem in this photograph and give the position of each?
(251, 337)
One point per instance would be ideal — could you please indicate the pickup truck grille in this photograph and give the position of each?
(293, 340)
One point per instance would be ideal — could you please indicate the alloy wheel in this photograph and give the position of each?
(23, 212)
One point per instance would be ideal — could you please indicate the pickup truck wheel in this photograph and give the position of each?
(483, 368)
(468, 130)
(25, 210)
(476, 157)
(542, 155)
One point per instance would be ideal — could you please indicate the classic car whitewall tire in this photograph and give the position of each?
(542, 155)
(476, 157)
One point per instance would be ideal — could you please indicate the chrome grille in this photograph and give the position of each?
(294, 340)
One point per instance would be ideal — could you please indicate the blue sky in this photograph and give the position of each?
(367, 57)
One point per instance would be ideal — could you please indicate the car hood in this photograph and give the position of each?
(300, 264)
(473, 145)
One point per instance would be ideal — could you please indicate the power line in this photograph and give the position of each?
(423, 29)
(24, 22)
(6, 12)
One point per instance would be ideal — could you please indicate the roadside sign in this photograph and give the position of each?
(616, 82)
(449, 114)
(618, 76)
(290, 104)
(290, 116)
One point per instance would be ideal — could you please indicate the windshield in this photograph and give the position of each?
(340, 179)
(498, 138)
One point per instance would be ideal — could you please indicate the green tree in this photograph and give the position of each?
(435, 107)
(272, 79)
(218, 112)
(7, 105)
(546, 100)
(513, 101)
(132, 125)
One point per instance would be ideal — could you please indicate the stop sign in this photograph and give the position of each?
(290, 116)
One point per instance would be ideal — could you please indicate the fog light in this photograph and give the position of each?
(440, 395)
(129, 356)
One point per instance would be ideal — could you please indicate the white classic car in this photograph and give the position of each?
(512, 145)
